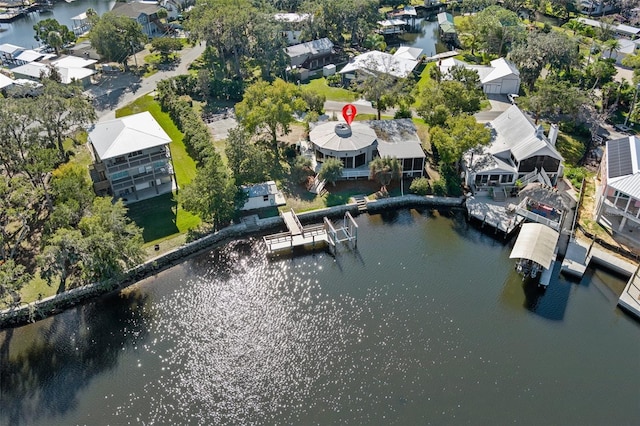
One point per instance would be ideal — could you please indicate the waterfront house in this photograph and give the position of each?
(146, 14)
(519, 150)
(399, 65)
(131, 156)
(311, 55)
(500, 77)
(356, 145)
(9, 52)
(618, 194)
(263, 195)
(72, 70)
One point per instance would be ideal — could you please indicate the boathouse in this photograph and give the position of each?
(448, 32)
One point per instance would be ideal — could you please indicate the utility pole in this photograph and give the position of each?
(134, 54)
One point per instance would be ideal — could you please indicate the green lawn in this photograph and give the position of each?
(161, 217)
(320, 85)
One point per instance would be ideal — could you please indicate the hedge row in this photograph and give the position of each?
(197, 137)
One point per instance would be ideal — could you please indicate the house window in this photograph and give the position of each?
(135, 154)
(319, 156)
(407, 164)
(265, 198)
(348, 162)
(359, 160)
(505, 178)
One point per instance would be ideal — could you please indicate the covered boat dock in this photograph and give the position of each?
(537, 243)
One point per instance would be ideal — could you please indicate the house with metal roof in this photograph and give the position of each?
(72, 69)
(356, 145)
(311, 55)
(618, 200)
(500, 77)
(448, 31)
(399, 65)
(131, 156)
(262, 195)
(519, 150)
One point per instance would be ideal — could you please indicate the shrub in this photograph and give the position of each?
(440, 187)
(302, 169)
(576, 175)
(420, 186)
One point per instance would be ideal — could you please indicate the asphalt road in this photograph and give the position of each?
(114, 91)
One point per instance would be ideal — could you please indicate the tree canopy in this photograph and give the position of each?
(53, 34)
(212, 193)
(270, 106)
(116, 37)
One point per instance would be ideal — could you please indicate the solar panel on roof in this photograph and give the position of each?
(619, 154)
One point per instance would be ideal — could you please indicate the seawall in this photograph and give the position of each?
(44, 308)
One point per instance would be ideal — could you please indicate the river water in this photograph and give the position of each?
(425, 323)
(20, 32)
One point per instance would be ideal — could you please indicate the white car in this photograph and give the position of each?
(513, 98)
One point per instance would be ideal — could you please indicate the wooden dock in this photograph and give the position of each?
(630, 297)
(314, 236)
(493, 213)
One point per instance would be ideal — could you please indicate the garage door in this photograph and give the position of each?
(510, 86)
(491, 88)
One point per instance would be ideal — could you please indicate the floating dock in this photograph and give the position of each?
(323, 235)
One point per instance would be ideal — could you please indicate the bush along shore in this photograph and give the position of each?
(44, 308)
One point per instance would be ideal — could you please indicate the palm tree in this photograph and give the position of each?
(54, 40)
(612, 44)
(384, 170)
(574, 25)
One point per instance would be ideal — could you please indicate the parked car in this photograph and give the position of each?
(624, 129)
(513, 98)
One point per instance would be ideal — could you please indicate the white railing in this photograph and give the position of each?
(537, 218)
(530, 177)
(346, 174)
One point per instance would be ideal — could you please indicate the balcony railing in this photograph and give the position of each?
(142, 160)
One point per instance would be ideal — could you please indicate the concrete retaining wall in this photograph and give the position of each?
(49, 306)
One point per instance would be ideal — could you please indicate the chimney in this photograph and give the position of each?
(553, 134)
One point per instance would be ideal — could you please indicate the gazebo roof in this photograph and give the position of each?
(340, 137)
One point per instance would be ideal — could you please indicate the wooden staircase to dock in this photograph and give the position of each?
(361, 201)
(499, 194)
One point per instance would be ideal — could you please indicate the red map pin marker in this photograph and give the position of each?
(349, 112)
